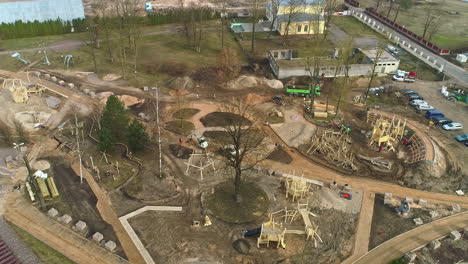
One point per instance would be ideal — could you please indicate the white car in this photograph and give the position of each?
(424, 107)
(398, 78)
(418, 102)
(453, 126)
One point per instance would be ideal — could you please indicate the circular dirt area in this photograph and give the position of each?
(253, 205)
(217, 119)
(180, 127)
(185, 113)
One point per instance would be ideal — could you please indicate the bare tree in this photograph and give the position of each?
(379, 51)
(377, 5)
(102, 10)
(295, 7)
(392, 2)
(246, 139)
(330, 8)
(223, 21)
(93, 42)
(228, 63)
(274, 15)
(345, 60)
(193, 28)
(181, 103)
(402, 5)
(5, 132)
(432, 19)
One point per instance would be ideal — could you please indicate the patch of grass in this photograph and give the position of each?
(354, 27)
(180, 127)
(185, 113)
(35, 42)
(45, 253)
(253, 205)
(410, 63)
(274, 119)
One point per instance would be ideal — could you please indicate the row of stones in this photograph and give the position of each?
(82, 228)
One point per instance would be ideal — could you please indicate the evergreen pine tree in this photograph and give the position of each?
(137, 136)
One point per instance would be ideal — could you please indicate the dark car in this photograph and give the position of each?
(440, 120)
(408, 91)
(412, 97)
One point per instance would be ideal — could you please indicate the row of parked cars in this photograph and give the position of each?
(435, 116)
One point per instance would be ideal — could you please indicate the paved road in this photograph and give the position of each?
(21, 251)
(399, 245)
(450, 69)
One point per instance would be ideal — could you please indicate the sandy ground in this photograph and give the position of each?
(329, 198)
(295, 130)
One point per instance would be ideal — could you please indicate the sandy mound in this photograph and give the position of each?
(103, 95)
(41, 165)
(180, 83)
(128, 100)
(243, 82)
(275, 84)
(178, 92)
(254, 99)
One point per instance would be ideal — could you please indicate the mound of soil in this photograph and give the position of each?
(217, 119)
(185, 83)
(255, 99)
(180, 152)
(280, 155)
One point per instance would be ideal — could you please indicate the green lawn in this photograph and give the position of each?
(45, 253)
(167, 48)
(452, 33)
(354, 27)
(36, 42)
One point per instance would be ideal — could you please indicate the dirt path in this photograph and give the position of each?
(361, 239)
(412, 239)
(104, 206)
(61, 238)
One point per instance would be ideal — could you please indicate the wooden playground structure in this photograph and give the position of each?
(387, 133)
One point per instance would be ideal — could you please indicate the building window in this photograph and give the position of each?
(275, 54)
(306, 28)
(299, 28)
(283, 54)
(393, 63)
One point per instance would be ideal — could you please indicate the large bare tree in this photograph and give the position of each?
(431, 20)
(245, 137)
(379, 51)
(330, 8)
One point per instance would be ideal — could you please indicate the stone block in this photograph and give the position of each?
(456, 208)
(110, 245)
(52, 213)
(433, 214)
(54, 79)
(422, 202)
(435, 244)
(388, 195)
(409, 199)
(98, 237)
(418, 221)
(61, 83)
(278, 173)
(455, 235)
(334, 185)
(47, 76)
(71, 85)
(66, 219)
(409, 257)
(80, 226)
(388, 201)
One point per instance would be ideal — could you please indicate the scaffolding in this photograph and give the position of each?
(387, 133)
(334, 146)
(296, 187)
(18, 90)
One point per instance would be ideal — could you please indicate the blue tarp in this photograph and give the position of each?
(41, 10)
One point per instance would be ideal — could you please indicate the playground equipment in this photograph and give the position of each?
(297, 188)
(68, 61)
(334, 146)
(387, 133)
(19, 57)
(272, 231)
(18, 90)
(204, 160)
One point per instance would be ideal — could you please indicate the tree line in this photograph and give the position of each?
(20, 29)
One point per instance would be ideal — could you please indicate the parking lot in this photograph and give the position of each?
(455, 111)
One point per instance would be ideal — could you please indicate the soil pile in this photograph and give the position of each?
(275, 84)
(180, 152)
(243, 82)
(280, 155)
(180, 83)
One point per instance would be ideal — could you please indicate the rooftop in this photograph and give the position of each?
(385, 57)
(300, 2)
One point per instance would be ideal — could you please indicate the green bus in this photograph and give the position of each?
(301, 90)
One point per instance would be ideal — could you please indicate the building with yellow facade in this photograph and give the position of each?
(296, 17)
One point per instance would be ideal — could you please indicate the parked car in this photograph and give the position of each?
(452, 126)
(418, 102)
(441, 120)
(434, 113)
(415, 97)
(424, 107)
(408, 91)
(462, 138)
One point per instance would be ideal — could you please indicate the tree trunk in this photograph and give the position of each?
(390, 8)
(378, 5)
(237, 185)
(396, 14)
(253, 38)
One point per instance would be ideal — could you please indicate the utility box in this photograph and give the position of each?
(462, 57)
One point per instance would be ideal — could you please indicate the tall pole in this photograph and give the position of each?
(78, 146)
(159, 132)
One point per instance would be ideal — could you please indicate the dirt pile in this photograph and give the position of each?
(243, 82)
(180, 83)
(275, 84)
(111, 77)
(128, 100)
(180, 152)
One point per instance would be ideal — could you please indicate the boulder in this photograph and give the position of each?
(180, 83)
(66, 219)
(111, 77)
(98, 237)
(418, 221)
(455, 235)
(110, 245)
(435, 244)
(275, 84)
(52, 212)
(243, 82)
(103, 95)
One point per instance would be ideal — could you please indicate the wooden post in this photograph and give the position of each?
(117, 165)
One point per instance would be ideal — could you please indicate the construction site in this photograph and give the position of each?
(248, 169)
